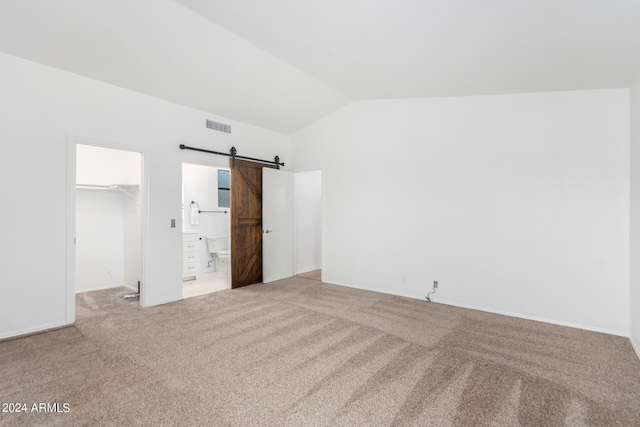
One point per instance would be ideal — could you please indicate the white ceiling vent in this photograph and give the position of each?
(218, 126)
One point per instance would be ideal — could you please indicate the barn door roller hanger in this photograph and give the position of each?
(233, 153)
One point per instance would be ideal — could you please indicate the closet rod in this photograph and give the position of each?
(96, 187)
(232, 153)
(212, 211)
(104, 187)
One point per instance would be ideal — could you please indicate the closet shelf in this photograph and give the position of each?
(124, 189)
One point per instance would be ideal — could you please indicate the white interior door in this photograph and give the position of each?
(277, 224)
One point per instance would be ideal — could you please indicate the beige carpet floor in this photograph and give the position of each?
(303, 353)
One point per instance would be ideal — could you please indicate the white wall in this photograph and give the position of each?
(635, 215)
(307, 193)
(100, 240)
(200, 184)
(40, 107)
(105, 166)
(517, 204)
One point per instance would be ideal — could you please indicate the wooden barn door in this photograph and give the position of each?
(246, 222)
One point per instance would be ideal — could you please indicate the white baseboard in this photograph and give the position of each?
(163, 301)
(435, 299)
(306, 270)
(635, 346)
(133, 288)
(101, 288)
(33, 330)
(538, 319)
(380, 291)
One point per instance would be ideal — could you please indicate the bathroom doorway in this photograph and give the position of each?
(205, 229)
(106, 201)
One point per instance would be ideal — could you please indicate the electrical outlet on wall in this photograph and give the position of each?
(435, 284)
(404, 280)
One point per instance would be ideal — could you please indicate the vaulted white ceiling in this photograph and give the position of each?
(281, 64)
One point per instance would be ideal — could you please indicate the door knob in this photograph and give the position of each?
(268, 231)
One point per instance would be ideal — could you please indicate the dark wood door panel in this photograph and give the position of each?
(246, 222)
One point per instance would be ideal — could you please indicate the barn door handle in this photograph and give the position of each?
(268, 231)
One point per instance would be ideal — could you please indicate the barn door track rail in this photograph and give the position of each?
(233, 153)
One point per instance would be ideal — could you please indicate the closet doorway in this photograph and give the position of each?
(107, 206)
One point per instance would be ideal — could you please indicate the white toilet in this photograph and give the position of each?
(217, 245)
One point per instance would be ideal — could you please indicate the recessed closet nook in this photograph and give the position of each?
(108, 218)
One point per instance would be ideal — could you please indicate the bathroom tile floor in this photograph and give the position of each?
(205, 284)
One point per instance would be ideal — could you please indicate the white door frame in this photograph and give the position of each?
(72, 142)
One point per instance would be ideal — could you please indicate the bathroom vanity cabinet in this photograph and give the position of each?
(190, 255)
